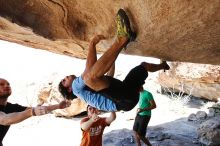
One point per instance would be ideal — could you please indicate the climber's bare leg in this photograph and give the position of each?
(92, 54)
(111, 71)
(95, 78)
(155, 67)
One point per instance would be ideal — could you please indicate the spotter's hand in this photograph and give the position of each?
(64, 104)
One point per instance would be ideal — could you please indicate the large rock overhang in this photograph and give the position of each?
(185, 31)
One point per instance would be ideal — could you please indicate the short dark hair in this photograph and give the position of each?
(65, 93)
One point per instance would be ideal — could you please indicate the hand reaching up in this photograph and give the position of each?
(95, 117)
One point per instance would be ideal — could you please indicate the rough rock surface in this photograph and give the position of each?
(199, 80)
(209, 132)
(177, 30)
(161, 135)
(49, 94)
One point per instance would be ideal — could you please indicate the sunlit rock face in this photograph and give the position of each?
(49, 95)
(177, 30)
(200, 80)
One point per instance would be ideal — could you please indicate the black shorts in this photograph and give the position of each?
(140, 124)
(136, 78)
(126, 93)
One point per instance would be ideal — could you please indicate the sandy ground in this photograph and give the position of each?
(26, 69)
(50, 130)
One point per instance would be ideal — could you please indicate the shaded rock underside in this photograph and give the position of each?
(185, 31)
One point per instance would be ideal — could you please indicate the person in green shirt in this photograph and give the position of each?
(146, 104)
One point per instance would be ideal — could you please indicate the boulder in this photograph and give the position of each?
(209, 132)
(199, 80)
(49, 94)
(185, 31)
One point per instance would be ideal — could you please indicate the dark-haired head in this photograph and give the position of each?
(65, 91)
(92, 110)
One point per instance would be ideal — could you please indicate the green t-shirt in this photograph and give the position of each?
(144, 102)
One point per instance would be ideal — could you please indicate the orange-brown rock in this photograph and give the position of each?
(48, 94)
(177, 30)
(200, 80)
